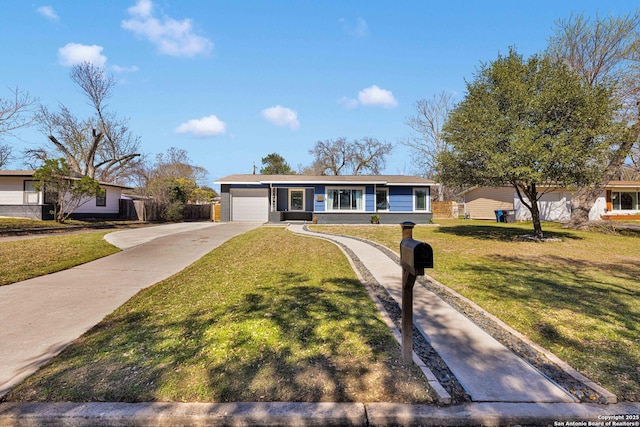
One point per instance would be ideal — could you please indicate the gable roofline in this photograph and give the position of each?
(30, 173)
(623, 184)
(389, 180)
(609, 185)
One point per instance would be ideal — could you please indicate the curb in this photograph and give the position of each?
(315, 414)
(504, 414)
(182, 414)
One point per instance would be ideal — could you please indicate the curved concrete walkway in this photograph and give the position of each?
(487, 370)
(41, 316)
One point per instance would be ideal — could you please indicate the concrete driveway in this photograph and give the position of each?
(41, 316)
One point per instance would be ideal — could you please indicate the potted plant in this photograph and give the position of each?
(375, 219)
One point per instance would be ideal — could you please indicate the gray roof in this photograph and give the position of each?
(29, 174)
(26, 173)
(325, 179)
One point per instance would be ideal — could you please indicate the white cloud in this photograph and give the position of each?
(48, 12)
(348, 103)
(142, 8)
(171, 37)
(370, 97)
(204, 127)
(375, 96)
(118, 69)
(75, 53)
(281, 116)
(359, 29)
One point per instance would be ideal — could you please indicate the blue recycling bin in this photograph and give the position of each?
(499, 215)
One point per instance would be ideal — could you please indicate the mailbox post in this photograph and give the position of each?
(415, 256)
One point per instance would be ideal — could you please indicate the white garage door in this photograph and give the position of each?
(250, 205)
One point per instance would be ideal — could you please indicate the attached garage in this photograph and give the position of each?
(250, 204)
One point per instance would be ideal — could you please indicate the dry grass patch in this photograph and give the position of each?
(578, 297)
(268, 316)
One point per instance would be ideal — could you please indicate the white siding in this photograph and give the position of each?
(11, 190)
(599, 208)
(553, 206)
(556, 206)
(113, 203)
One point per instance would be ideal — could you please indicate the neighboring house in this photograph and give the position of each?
(619, 201)
(19, 198)
(622, 200)
(482, 202)
(326, 199)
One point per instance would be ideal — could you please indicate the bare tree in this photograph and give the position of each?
(369, 155)
(426, 143)
(101, 146)
(341, 157)
(604, 51)
(5, 154)
(15, 113)
(331, 157)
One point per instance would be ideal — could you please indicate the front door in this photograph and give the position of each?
(296, 200)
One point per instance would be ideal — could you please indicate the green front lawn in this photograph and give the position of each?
(31, 224)
(268, 316)
(24, 259)
(578, 297)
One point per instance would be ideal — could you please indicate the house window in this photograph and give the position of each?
(101, 199)
(296, 200)
(31, 195)
(624, 201)
(345, 199)
(420, 199)
(382, 199)
(49, 197)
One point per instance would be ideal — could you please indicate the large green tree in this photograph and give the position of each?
(531, 124)
(275, 164)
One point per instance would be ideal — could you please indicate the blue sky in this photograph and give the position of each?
(232, 81)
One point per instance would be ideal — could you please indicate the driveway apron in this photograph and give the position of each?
(41, 316)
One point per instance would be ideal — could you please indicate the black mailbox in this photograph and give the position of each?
(415, 256)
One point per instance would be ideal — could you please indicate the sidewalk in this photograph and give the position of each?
(486, 369)
(41, 316)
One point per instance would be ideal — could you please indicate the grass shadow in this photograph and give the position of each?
(499, 232)
(573, 310)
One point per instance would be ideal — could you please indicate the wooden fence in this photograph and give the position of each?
(148, 210)
(444, 210)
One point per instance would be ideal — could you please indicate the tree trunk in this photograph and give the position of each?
(535, 216)
(531, 193)
(581, 204)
